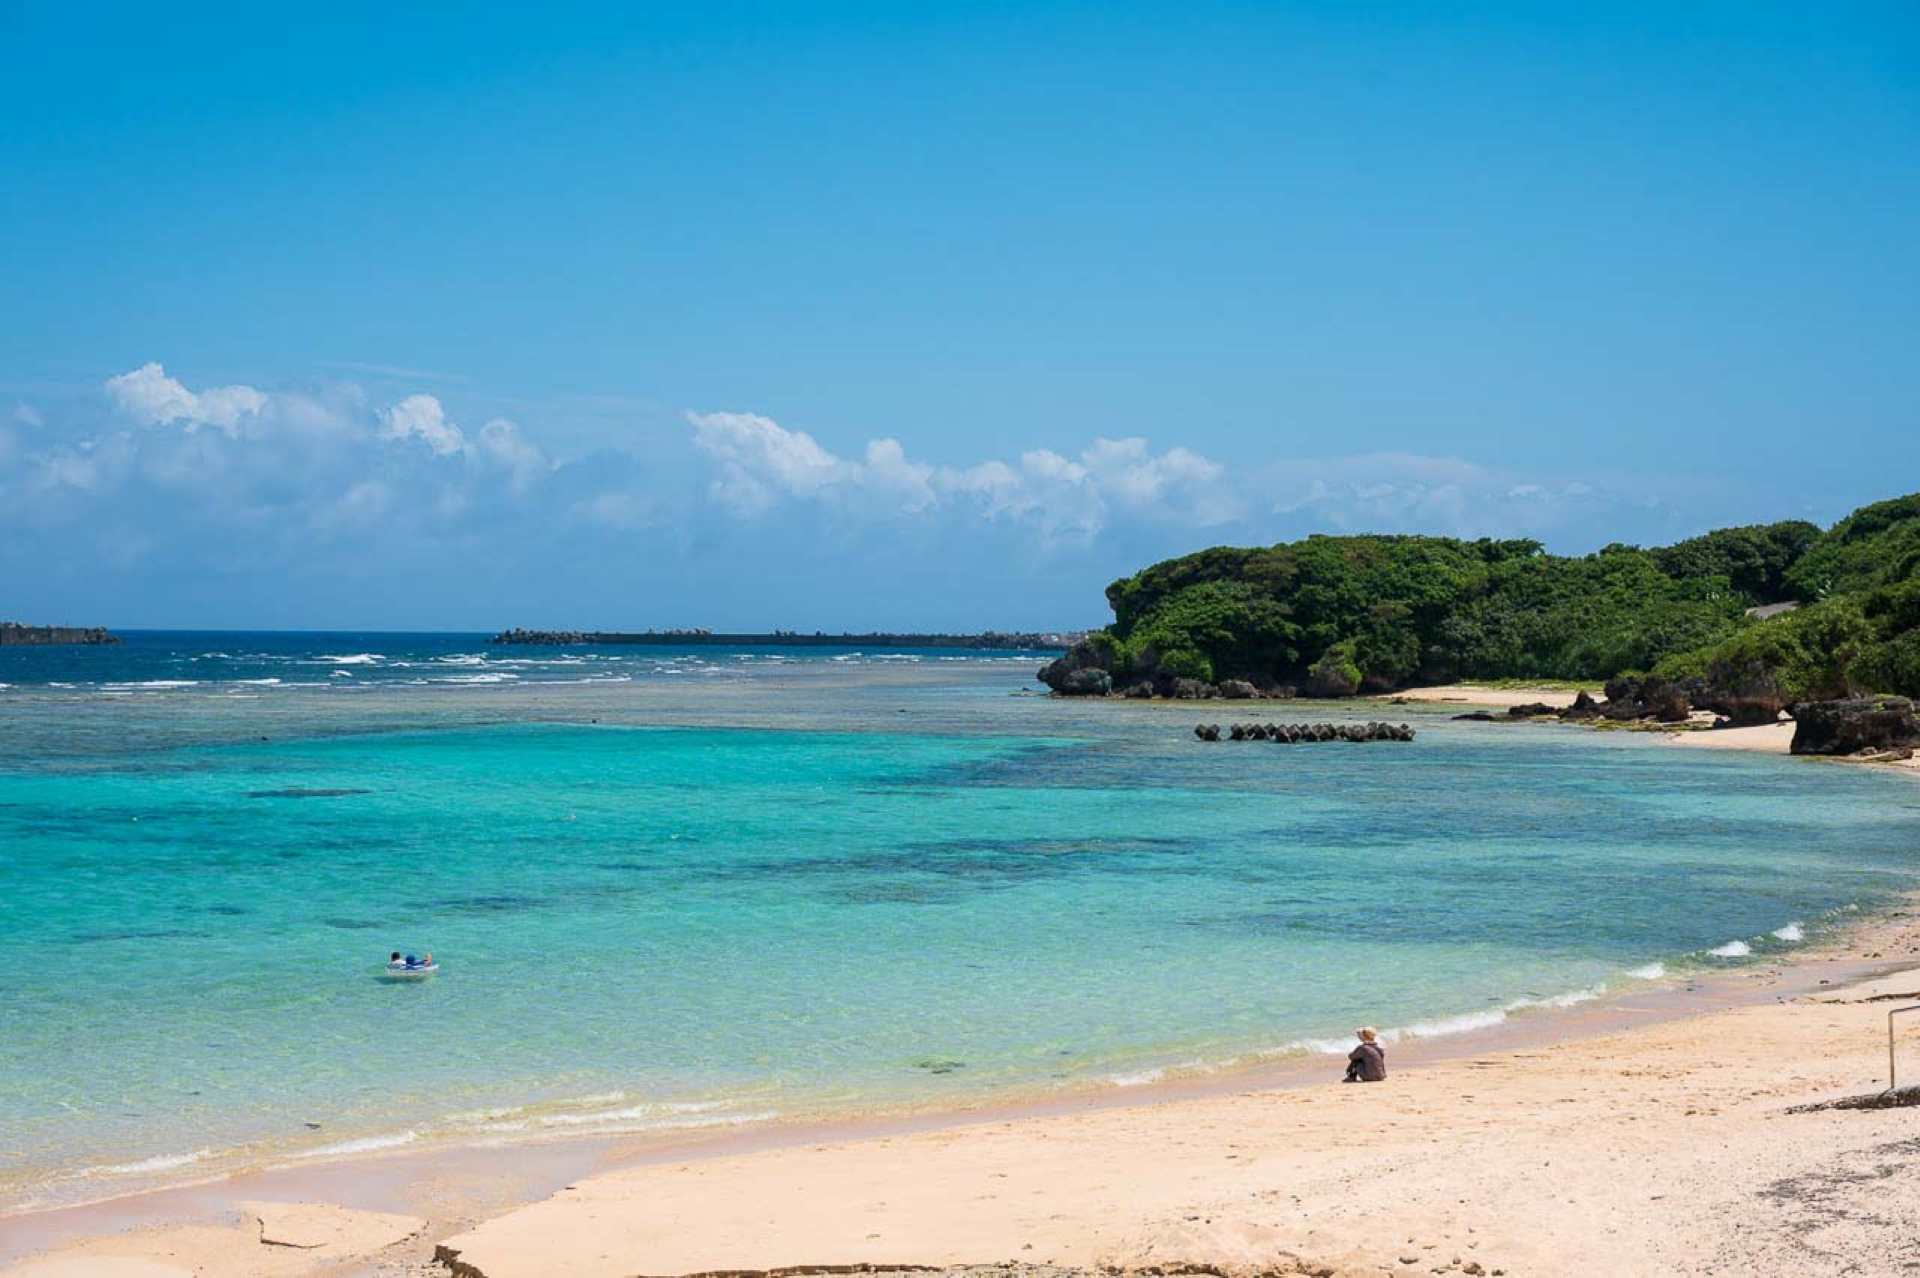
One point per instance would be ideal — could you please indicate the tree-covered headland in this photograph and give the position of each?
(1335, 616)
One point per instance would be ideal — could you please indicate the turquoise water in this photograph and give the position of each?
(785, 891)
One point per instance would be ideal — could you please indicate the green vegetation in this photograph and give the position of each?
(1333, 615)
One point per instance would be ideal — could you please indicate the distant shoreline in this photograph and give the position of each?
(15, 635)
(1038, 641)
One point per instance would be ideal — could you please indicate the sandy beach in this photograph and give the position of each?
(1479, 695)
(1666, 1147)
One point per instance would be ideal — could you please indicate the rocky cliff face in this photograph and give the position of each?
(13, 633)
(1857, 725)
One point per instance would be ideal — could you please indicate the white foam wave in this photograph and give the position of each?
(462, 659)
(364, 1145)
(1648, 972)
(152, 683)
(681, 1124)
(1732, 949)
(1465, 1023)
(341, 674)
(1441, 1027)
(497, 676)
(1140, 1079)
(158, 1163)
(260, 683)
(350, 658)
(1791, 933)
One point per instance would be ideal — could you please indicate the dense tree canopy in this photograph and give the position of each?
(1386, 611)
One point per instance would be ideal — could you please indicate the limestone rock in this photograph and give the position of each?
(1066, 674)
(1854, 726)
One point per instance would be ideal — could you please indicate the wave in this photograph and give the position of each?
(260, 683)
(1791, 934)
(1445, 1026)
(1732, 949)
(365, 1145)
(341, 674)
(349, 659)
(151, 683)
(490, 677)
(158, 1163)
(462, 659)
(1648, 972)
(680, 1124)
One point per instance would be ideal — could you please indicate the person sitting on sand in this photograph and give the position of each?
(1367, 1063)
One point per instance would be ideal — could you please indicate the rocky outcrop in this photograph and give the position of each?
(1085, 683)
(1747, 693)
(13, 634)
(1531, 710)
(1330, 679)
(1237, 690)
(1583, 707)
(1857, 725)
(1302, 733)
(1066, 674)
(1646, 697)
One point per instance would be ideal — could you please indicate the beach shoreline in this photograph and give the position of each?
(462, 1189)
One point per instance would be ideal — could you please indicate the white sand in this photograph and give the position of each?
(1664, 1150)
(1473, 694)
(1659, 1150)
(1773, 738)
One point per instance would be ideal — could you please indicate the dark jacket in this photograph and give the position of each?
(1367, 1063)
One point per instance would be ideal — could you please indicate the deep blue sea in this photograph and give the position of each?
(675, 888)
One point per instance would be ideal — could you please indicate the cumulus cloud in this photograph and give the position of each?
(329, 481)
(421, 417)
(762, 463)
(151, 398)
(503, 445)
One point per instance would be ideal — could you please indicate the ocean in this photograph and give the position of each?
(683, 888)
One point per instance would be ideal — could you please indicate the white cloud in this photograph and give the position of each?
(502, 444)
(421, 417)
(760, 460)
(151, 398)
(762, 463)
(27, 415)
(620, 511)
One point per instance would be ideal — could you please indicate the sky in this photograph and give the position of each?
(926, 316)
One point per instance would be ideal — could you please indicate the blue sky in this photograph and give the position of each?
(928, 315)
